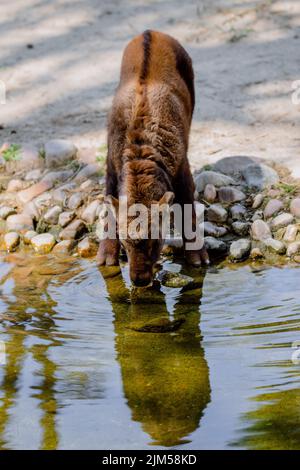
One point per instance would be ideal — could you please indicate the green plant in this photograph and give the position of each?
(12, 153)
(288, 188)
(101, 158)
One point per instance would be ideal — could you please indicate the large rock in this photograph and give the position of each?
(234, 166)
(259, 176)
(73, 231)
(213, 230)
(176, 280)
(228, 195)
(59, 152)
(240, 249)
(295, 207)
(272, 208)
(19, 223)
(11, 240)
(274, 246)
(260, 230)
(211, 177)
(282, 220)
(43, 243)
(217, 213)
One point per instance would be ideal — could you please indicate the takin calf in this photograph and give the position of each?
(148, 133)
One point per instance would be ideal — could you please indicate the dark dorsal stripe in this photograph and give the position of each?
(185, 70)
(146, 60)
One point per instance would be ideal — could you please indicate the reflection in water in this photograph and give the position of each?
(165, 374)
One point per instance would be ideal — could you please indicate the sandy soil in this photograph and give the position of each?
(60, 62)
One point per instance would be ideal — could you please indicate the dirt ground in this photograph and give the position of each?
(60, 61)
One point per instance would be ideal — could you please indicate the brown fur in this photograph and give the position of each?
(148, 132)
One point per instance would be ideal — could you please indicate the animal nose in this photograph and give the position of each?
(141, 280)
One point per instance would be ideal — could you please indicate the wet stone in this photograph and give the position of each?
(157, 325)
(6, 211)
(11, 240)
(217, 213)
(240, 249)
(43, 243)
(229, 195)
(176, 280)
(73, 231)
(64, 247)
(260, 230)
(213, 244)
(87, 248)
(65, 218)
(272, 208)
(28, 236)
(274, 246)
(282, 220)
(213, 230)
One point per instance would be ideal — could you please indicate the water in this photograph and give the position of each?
(82, 372)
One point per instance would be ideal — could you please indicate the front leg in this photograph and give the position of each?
(108, 252)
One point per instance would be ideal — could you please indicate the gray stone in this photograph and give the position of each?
(90, 170)
(43, 243)
(272, 208)
(212, 244)
(295, 207)
(73, 231)
(210, 193)
(229, 195)
(240, 249)
(89, 214)
(234, 166)
(65, 218)
(217, 213)
(75, 201)
(6, 211)
(259, 176)
(274, 246)
(282, 220)
(290, 233)
(11, 240)
(19, 223)
(257, 215)
(241, 228)
(260, 230)
(257, 201)
(58, 152)
(237, 212)
(211, 177)
(55, 177)
(293, 249)
(213, 230)
(51, 216)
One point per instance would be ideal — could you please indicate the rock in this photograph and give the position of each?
(14, 185)
(282, 220)
(11, 240)
(259, 176)
(157, 325)
(290, 233)
(55, 177)
(176, 280)
(237, 212)
(257, 201)
(274, 246)
(28, 236)
(58, 152)
(64, 247)
(65, 218)
(234, 166)
(278, 235)
(293, 249)
(295, 207)
(256, 253)
(229, 195)
(59, 196)
(217, 213)
(89, 214)
(272, 208)
(35, 190)
(213, 230)
(274, 193)
(212, 244)
(211, 177)
(51, 216)
(19, 223)
(87, 248)
(73, 231)
(92, 169)
(33, 175)
(43, 243)
(260, 230)
(75, 201)
(210, 193)
(6, 211)
(240, 249)
(257, 215)
(241, 228)
(27, 159)
(87, 185)
(32, 210)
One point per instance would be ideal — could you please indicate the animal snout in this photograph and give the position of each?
(141, 279)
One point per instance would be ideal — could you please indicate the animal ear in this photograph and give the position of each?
(113, 203)
(167, 198)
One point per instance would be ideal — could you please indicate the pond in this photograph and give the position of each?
(90, 365)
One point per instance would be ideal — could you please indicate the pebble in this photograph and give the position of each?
(212, 244)
(290, 233)
(237, 212)
(217, 213)
(210, 193)
(293, 249)
(257, 201)
(241, 228)
(6, 211)
(282, 220)
(19, 223)
(229, 195)
(240, 249)
(59, 152)
(295, 207)
(65, 218)
(274, 246)
(28, 236)
(11, 240)
(51, 216)
(75, 201)
(211, 177)
(260, 230)
(89, 214)
(43, 243)
(73, 231)
(87, 248)
(272, 208)
(213, 230)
